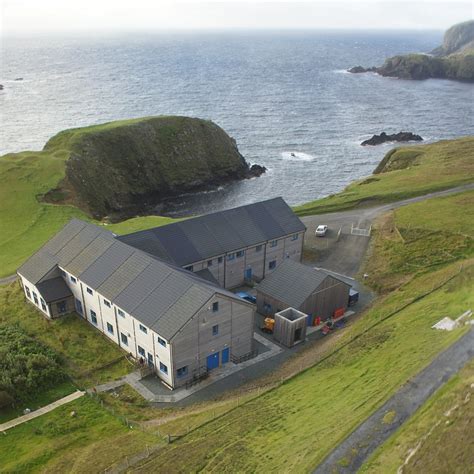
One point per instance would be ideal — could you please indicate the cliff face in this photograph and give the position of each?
(123, 168)
(453, 60)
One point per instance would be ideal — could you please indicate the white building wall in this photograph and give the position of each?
(34, 291)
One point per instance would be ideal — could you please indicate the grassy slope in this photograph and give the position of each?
(25, 223)
(291, 428)
(433, 167)
(57, 442)
(83, 349)
(420, 237)
(446, 420)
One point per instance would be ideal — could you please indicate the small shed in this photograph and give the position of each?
(290, 327)
(294, 285)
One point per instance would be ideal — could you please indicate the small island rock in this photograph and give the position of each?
(396, 137)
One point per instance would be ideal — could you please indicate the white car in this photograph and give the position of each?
(321, 230)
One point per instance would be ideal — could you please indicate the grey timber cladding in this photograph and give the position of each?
(54, 289)
(292, 282)
(200, 238)
(154, 292)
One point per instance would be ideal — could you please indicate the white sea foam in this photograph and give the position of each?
(297, 156)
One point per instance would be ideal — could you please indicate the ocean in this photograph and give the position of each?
(284, 96)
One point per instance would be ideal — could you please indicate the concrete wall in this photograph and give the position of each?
(34, 296)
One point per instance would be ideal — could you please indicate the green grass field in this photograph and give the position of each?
(58, 442)
(441, 433)
(414, 171)
(420, 237)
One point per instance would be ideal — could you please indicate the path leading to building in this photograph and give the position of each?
(41, 411)
(345, 254)
(349, 456)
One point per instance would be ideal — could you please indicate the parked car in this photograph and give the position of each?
(246, 296)
(321, 230)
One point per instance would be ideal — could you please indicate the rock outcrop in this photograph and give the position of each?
(396, 137)
(453, 60)
(126, 168)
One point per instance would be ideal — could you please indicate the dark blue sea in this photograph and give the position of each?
(275, 93)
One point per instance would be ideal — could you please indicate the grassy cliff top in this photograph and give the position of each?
(405, 172)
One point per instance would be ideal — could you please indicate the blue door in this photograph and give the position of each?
(248, 274)
(213, 361)
(225, 356)
(78, 306)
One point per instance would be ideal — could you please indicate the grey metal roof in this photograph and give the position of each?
(292, 282)
(158, 294)
(54, 289)
(204, 237)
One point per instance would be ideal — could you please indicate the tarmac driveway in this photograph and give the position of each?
(344, 255)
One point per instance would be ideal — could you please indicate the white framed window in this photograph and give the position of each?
(143, 329)
(273, 243)
(120, 313)
(107, 303)
(161, 341)
(89, 291)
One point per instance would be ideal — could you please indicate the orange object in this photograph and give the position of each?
(317, 321)
(339, 312)
(269, 324)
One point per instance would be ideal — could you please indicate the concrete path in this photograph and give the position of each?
(349, 456)
(41, 411)
(345, 255)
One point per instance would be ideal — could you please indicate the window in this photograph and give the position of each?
(209, 263)
(272, 264)
(73, 279)
(35, 297)
(107, 303)
(110, 328)
(258, 248)
(189, 268)
(161, 341)
(267, 307)
(89, 291)
(28, 292)
(240, 253)
(120, 313)
(219, 260)
(93, 316)
(61, 307)
(294, 237)
(124, 338)
(43, 305)
(273, 243)
(215, 306)
(230, 257)
(143, 329)
(141, 351)
(182, 371)
(215, 330)
(163, 368)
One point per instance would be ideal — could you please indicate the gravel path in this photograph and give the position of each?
(349, 456)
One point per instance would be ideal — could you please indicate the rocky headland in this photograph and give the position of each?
(454, 59)
(127, 168)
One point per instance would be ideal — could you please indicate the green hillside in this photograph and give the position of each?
(405, 172)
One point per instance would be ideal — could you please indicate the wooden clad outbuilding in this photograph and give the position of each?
(313, 292)
(290, 327)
